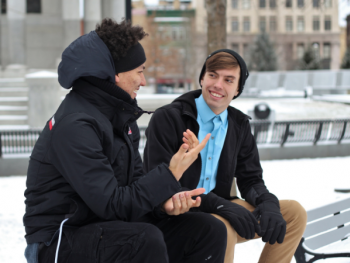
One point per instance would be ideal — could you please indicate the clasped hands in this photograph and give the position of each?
(272, 226)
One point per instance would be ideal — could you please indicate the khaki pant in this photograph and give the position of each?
(295, 216)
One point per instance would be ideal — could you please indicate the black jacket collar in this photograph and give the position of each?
(115, 109)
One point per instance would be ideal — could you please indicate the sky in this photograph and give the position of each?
(344, 9)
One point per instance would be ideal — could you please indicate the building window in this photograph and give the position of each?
(33, 6)
(273, 4)
(289, 24)
(327, 3)
(3, 6)
(234, 24)
(300, 24)
(246, 4)
(326, 50)
(288, 3)
(262, 3)
(300, 3)
(246, 24)
(316, 3)
(300, 51)
(262, 24)
(327, 23)
(273, 24)
(235, 47)
(234, 4)
(316, 23)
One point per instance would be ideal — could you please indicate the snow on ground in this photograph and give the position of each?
(309, 181)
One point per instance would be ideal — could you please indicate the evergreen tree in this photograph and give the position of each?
(263, 56)
(346, 59)
(309, 60)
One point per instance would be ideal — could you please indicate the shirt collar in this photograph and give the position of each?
(206, 113)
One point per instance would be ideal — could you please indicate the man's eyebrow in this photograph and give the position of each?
(228, 76)
(144, 68)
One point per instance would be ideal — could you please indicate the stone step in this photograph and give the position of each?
(22, 103)
(13, 101)
(14, 92)
(13, 119)
(13, 127)
(12, 82)
(12, 112)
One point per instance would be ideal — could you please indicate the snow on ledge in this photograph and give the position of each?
(42, 74)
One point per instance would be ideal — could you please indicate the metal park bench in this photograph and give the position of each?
(325, 225)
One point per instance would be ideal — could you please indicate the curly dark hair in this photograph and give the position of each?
(119, 37)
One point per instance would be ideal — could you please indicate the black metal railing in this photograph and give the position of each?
(312, 131)
(264, 132)
(18, 142)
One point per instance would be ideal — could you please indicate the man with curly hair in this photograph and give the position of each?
(87, 197)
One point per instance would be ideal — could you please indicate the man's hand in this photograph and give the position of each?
(273, 225)
(190, 139)
(182, 202)
(186, 155)
(241, 219)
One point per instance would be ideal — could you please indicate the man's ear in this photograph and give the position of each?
(201, 82)
(117, 79)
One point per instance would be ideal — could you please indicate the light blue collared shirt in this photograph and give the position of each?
(217, 125)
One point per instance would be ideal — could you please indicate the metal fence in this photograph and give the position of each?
(313, 131)
(18, 142)
(279, 132)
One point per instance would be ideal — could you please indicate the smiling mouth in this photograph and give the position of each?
(135, 91)
(217, 95)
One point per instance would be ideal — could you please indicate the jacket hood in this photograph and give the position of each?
(88, 55)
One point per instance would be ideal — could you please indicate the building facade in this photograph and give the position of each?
(35, 32)
(291, 24)
(170, 46)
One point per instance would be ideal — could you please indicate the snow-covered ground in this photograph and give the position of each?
(309, 181)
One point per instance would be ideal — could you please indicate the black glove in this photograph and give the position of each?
(273, 225)
(241, 219)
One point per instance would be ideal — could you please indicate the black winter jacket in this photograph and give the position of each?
(86, 166)
(239, 157)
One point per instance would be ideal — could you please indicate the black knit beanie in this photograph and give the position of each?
(135, 57)
(244, 71)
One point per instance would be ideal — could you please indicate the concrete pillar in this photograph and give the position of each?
(44, 97)
(92, 15)
(335, 54)
(113, 9)
(16, 13)
(71, 21)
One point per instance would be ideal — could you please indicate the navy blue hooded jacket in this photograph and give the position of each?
(85, 165)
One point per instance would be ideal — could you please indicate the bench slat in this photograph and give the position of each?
(329, 209)
(327, 238)
(327, 223)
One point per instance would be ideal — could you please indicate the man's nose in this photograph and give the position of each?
(219, 83)
(143, 80)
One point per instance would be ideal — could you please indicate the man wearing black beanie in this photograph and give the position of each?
(87, 198)
(230, 152)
